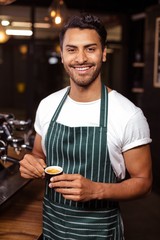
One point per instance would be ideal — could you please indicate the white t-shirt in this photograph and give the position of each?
(127, 126)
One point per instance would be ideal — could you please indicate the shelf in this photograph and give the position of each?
(137, 90)
(138, 64)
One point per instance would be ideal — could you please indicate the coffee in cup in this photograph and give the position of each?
(53, 171)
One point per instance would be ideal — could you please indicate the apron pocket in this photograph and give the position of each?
(61, 222)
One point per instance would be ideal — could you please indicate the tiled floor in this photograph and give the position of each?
(142, 218)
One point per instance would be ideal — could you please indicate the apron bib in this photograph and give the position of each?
(81, 150)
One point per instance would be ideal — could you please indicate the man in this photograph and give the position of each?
(94, 134)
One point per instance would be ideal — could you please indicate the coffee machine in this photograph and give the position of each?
(16, 136)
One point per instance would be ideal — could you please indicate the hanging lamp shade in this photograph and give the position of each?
(57, 11)
(6, 2)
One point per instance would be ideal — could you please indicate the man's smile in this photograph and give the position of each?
(82, 68)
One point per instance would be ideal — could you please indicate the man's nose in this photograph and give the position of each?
(81, 57)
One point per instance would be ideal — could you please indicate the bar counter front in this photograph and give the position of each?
(21, 214)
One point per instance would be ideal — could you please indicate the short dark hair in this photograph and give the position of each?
(85, 21)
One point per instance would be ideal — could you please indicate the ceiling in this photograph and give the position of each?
(107, 6)
(20, 11)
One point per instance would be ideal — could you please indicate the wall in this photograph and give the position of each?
(26, 78)
(151, 97)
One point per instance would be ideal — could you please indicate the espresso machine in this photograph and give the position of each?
(16, 138)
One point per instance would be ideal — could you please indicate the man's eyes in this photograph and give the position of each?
(73, 50)
(90, 49)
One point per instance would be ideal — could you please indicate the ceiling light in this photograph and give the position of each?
(6, 2)
(21, 24)
(29, 24)
(5, 23)
(58, 20)
(53, 60)
(18, 32)
(57, 11)
(23, 49)
(3, 37)
(53, 13)
(42, 25)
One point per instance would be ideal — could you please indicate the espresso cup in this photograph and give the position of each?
(52, 171)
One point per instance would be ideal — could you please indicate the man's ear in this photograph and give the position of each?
(104, 58)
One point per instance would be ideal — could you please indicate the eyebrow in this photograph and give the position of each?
(87, 45)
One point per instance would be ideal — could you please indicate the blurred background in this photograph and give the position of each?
(30, 64)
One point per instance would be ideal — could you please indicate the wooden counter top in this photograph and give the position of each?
(21, 215)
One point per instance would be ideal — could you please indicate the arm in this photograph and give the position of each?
(32, 165)
(138, 164)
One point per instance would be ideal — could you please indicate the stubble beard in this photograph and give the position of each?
(84, 81)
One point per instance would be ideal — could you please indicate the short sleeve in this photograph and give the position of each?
(136, 132)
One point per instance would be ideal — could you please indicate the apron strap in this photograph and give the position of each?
(104, 106)
(55, 116)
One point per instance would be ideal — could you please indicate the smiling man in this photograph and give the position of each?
(95, 134)
(82, 56)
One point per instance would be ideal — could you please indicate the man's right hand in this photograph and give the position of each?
(32, 167)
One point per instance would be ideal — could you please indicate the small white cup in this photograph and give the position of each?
(53, 171)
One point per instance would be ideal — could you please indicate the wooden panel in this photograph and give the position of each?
(21, 216)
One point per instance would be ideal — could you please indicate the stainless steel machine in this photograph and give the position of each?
(15, 136)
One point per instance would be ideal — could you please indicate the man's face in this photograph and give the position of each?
(82, 55)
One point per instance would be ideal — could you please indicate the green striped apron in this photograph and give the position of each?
(81, 150)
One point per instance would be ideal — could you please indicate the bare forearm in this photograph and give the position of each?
(77, 188)
(128, 189)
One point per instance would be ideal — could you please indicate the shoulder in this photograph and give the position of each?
(49, 104)
(54, 98)
(124, 117)
(121, 106)
(127, 121)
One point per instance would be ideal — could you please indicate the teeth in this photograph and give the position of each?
(82, 68)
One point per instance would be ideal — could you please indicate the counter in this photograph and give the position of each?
(21, 215)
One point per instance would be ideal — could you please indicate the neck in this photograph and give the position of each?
(85, 94)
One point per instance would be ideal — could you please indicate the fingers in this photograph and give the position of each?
(73, 187)
(66, 177)
(69, 191)
(32, 167)
(67, 184)
(66, 181)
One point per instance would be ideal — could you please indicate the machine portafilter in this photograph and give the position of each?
(8, 126)
(3, 153)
